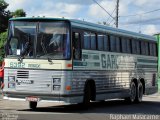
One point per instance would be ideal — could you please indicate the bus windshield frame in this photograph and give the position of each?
(39, 40)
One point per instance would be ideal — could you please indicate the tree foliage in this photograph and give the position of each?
(1, 55)
(4, 16)
(3, 38)
(19, 13)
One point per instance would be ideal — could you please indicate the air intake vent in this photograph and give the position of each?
(22, 74)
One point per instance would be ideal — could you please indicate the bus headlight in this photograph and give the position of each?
(56, 84)
(56, 87)
(11, 85)
(11, 79)
(11, 82)
(56, 81)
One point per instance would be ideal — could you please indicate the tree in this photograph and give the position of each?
(3, 38)
(4, 16)
(19, 13)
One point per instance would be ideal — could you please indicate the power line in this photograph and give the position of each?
(111, 14)
(111, 22)
(104, 9)
(141, 13)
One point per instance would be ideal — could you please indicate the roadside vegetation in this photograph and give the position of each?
(5, 15)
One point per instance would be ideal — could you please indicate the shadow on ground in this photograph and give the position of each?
(108, 107)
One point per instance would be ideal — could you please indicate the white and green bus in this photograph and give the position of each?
(73, 61)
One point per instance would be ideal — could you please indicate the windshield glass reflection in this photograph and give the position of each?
(52, 40)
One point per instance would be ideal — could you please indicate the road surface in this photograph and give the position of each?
(108, 110)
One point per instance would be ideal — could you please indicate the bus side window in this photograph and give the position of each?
(113, 43)
(152, 49)
(76, 46)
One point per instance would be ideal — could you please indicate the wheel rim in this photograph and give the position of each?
(140, 93)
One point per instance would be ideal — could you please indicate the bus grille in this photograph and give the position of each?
(22, 74)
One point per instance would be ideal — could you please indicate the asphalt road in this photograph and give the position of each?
(108, 110)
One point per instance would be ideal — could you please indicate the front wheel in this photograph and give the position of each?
(87, 96)
(33, 105)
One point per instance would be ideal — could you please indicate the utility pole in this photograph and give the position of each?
(117, 11)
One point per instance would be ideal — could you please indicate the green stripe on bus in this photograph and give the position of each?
(147, 66)
(96, 57)
(97, 64)
(80, 63)
(147, 61)
(84, 56)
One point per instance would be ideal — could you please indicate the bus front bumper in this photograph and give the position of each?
(60, 98)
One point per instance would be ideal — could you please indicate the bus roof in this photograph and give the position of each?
(94, 27)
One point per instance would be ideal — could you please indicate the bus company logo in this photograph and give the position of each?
(24, 82)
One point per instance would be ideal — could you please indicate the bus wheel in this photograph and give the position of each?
(33, 105)
(87, 96)
(139, 94)
(132, 97)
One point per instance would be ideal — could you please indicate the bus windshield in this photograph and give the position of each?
(41, 40)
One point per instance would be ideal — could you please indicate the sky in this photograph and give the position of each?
(88, 10)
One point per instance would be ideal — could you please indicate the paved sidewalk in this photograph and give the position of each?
(0, 94)
(156, 95)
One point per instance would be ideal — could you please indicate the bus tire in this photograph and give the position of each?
(87, 96)
(133, 92)
(139, 94)
(33, 105)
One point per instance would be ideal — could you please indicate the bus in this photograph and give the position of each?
(72, 61)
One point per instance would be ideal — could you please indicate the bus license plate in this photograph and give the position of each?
(32, 99)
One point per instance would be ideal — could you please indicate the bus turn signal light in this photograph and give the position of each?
(68, 88)
(69, 65)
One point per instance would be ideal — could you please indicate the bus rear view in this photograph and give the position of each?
(38, 56)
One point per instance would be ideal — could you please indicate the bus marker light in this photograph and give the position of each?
(68, 88)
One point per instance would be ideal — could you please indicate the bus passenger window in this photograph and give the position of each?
(93, 41)
(143, 48)
(147, 48)
(134, 47)
(113, 43)
(106, 44)
(152, 49)
(118, 49)
(138, 47)
(124, 45)
(76, 46)
(100, 42)
(129, 50)
(87, 41)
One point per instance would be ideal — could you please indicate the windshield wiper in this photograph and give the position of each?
(44, 49)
